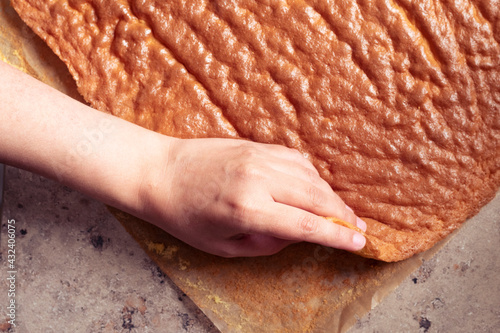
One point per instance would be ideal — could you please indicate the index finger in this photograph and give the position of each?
(291, 223)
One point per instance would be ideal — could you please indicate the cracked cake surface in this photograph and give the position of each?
(396, 103)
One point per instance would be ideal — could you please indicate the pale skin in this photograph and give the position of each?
(227, 197)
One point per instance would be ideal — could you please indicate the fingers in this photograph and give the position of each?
(292, 180)
(297, 195)
(294, 185)
(294, 224)
(311, 196)
(285, 159)
(270, 194)
(301, 168)
(290, 155)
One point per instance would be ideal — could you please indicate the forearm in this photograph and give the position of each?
(46, 132)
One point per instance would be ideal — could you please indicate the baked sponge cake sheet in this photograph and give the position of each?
(396, 103)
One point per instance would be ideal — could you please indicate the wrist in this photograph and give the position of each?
(151, 178)
(98, 154)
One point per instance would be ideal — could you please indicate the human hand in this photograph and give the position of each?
(239, 198)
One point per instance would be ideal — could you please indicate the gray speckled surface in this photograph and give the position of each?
(79, 271)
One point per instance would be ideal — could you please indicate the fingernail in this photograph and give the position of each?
(349, 208)
(360, 224)
(358, 241)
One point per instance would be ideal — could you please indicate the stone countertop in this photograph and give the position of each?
(77, 270)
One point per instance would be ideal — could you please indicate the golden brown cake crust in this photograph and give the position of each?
(375, 248)
(397, 104)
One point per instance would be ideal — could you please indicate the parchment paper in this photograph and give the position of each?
(305, 288)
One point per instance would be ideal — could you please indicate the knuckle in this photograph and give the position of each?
(315, 197)
(312, 175)
(308, 225)
(249, 151)
(246, 170)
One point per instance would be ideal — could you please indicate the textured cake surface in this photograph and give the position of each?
(396, 103)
